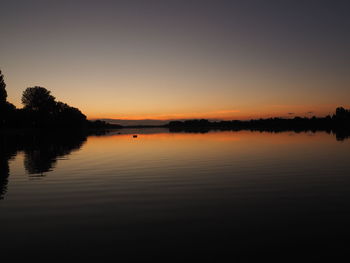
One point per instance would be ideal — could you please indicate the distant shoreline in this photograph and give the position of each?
(338, 124)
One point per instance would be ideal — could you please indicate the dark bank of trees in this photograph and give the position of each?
(339, 124)
(7, 110)
(42, 110)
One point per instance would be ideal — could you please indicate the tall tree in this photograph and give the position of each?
(38, 99)
(3, 93)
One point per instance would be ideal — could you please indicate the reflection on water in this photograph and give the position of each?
(219, 193)
(41, 152)
(4, 172)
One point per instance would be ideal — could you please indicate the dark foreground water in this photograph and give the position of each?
(239, 195)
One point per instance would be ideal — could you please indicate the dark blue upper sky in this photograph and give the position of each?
(141, 58)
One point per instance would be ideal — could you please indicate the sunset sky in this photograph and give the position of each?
(180, 59)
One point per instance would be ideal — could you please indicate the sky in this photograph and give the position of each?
(180, 59)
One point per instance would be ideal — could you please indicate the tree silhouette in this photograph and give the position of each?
(342, 114)
(3, 93)
(38, 99)
(42, 110)
(7, 110)
(68, 116)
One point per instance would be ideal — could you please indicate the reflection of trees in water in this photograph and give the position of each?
(38, 162)
(8, 149)
(41, 151)
(4, 174)
(340, 134)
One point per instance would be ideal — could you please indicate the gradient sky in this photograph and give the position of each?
(180, 59)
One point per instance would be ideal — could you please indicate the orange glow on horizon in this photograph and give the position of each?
(220, 114)
(284, 111)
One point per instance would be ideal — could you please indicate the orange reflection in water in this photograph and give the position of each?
(281, 137)
(163, 154)
(201, 142)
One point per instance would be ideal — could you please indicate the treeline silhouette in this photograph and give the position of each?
(42, 110)
(338, 123)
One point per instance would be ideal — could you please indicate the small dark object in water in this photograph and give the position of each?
(134, 136)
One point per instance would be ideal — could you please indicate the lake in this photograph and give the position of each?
(175, 195)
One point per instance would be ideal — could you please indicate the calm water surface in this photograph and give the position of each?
(238, 194)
